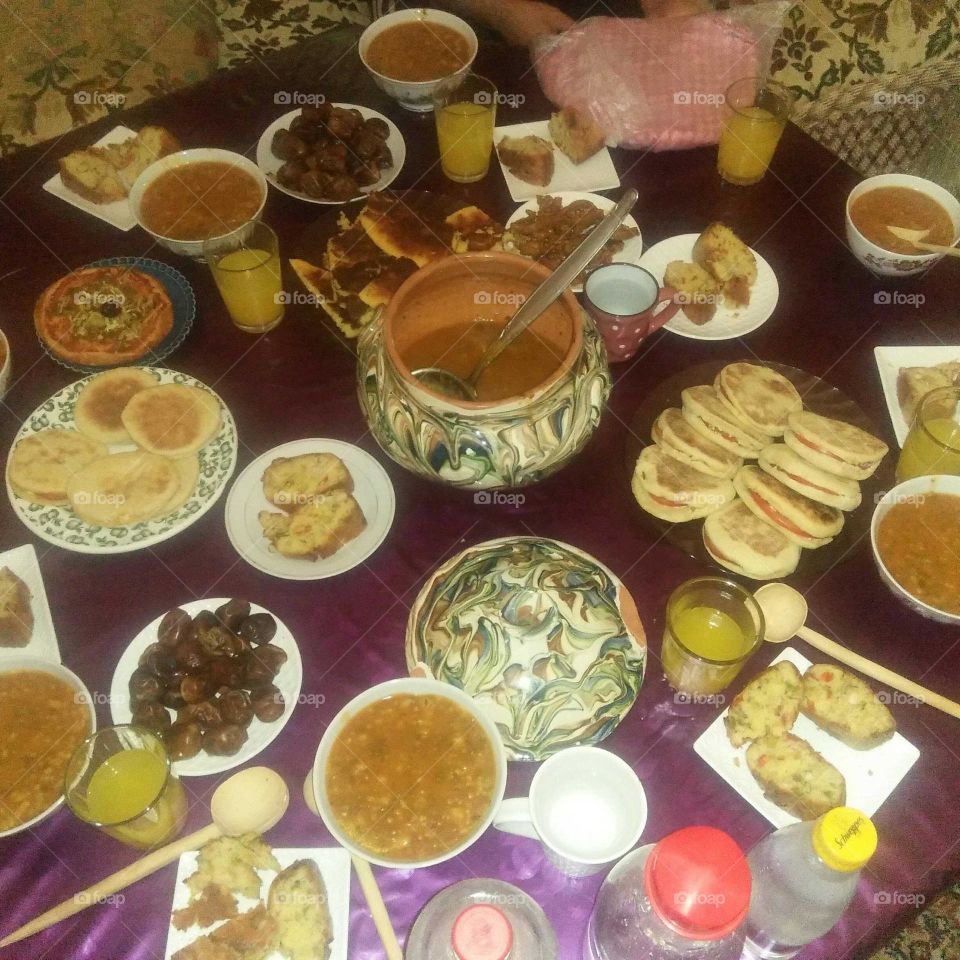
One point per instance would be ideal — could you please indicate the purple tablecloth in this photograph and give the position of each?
(298, 381)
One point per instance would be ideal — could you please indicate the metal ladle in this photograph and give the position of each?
(443, 381)
(785, 613)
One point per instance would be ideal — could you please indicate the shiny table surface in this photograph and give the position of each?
(298, 381)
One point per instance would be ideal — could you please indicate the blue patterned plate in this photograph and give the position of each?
(184, 310)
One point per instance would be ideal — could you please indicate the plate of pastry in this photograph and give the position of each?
(310, 509)
(907, 373)
(26, 626)
(725, 288)
(237, 897)
(801, 738)
(122, 460)
(566, 152)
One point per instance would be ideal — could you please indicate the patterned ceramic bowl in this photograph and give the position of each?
(479, 445)
(545, 639)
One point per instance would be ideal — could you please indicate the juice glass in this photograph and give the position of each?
(756, 114)
(933, 443)
(465, 116)
(246, 267)
(712, 628)
(120, 780)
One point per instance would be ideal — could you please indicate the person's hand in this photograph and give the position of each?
(521, 21)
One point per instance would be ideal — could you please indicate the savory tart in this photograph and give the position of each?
(103, 316)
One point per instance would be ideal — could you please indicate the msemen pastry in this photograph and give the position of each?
(101, 402)
(758, 395)
(298, 902)
(123, 488)
(672, 490)
(833, 445)
(842, 704)
(740, 541)
(704, 412)
(682, 442)
(172, 419)
(804, 521)
(768, 704)
(40, 466)
(795, 777)
(798, 474)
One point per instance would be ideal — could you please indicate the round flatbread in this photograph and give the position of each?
(760, 396)
(101, 402)
(41, 465)
(123, 488)
(188, 472)
(102, 316)
(173, 420)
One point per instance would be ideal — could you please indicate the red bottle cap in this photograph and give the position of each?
(481, 932)
(698, 882)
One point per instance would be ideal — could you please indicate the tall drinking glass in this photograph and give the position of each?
(465, 115)
(756, 114)
(246, 267)
(933, 443)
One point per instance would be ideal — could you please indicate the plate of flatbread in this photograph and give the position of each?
(121, 460)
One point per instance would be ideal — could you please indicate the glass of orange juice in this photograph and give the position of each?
(120, 779)
(756, 114)
(712, 628)
(465, 116)
(933, 443)
(246, 267)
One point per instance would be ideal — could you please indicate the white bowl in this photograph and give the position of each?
(21, 661)
(6, 366)
(411, 95)
(885, 262)
(391, 688)
(917, 487)
(192, 248)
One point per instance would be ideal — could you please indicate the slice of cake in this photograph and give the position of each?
(767, 705)
(576, 133)
(298, 902)
(316, 530)
(721, 252)
(842, 704)
(528, 158)
(290, 482)
(697, 290)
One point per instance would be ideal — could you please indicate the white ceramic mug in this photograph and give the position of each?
(586, 807)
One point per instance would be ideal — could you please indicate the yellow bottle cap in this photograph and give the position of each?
(844, 839)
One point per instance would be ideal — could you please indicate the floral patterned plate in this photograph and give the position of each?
(63, 528)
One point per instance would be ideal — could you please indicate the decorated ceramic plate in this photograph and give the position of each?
(270, 164)
(544, 637)
(181, 299)
(259, 734)
(728, 322)
(63, 528)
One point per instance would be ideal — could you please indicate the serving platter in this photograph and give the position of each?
(595, 173)
(889, 360)
(118, 214)
(372, 490)
(22, 561)
(632, 249)
(260, 734)
(181, 299)
(871, 775)
(269, 164)
(334, 866)
(728, 322)
(819, 397)
(63, 528)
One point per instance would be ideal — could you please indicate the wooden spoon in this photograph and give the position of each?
(250, 801)
(915, 237)
(785, 612)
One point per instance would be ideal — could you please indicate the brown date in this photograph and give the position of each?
(258, 628)
(184, 740)
(225, 740)
(173, 627)
(235, 707)
(233, 613)
(268, 703)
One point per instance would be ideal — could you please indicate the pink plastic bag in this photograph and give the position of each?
(658, 83)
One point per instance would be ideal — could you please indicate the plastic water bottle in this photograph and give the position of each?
(804, 876)
(481, 920)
